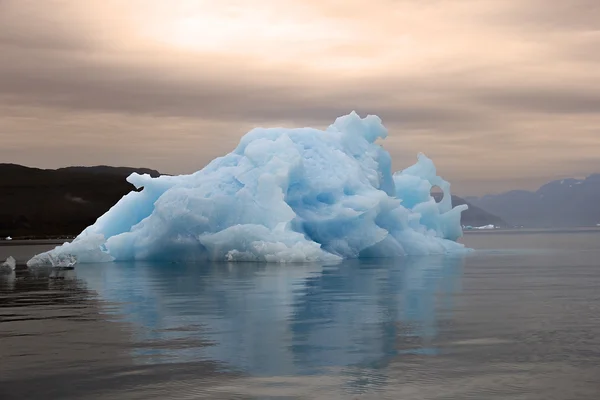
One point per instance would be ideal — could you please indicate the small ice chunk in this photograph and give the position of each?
(485, 227)
(9, 265)
(8, 238)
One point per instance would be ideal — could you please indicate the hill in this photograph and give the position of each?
(560, 203)
(41, 202)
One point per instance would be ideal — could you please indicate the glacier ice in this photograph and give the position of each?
(283, 195)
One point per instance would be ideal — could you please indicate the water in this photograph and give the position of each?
(517, 319)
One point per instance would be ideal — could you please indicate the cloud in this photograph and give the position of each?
(544, 100)
(43, 25)
(487, 88)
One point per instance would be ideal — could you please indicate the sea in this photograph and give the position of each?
(517, 318)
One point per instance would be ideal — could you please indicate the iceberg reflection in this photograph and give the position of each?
(267, 319)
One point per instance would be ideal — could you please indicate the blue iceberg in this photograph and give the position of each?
(283, 195)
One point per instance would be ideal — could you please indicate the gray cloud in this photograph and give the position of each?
(35, 25)
(531, 73)
(544, 100)
(549, 17)
(72, 83)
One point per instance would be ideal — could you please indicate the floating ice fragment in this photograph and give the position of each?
(486, 227)
(282, 195)
(9, 265)
(8, 238)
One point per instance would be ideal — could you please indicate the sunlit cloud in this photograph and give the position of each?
(500, 93)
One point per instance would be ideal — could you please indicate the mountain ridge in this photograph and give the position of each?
(560, 203)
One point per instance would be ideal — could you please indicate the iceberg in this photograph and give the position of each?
(282, 195)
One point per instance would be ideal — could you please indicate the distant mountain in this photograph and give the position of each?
(44, 202)
(561, 203)
(474, 216)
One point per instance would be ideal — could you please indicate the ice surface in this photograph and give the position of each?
(61, 259)
(9, 265)
(88, 248)
(283, 195)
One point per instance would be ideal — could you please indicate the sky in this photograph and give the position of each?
(501, 94)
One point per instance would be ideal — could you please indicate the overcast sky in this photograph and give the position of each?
(501, 94)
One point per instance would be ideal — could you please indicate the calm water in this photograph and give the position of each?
(518, 319)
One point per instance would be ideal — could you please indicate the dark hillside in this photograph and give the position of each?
(40, 203)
